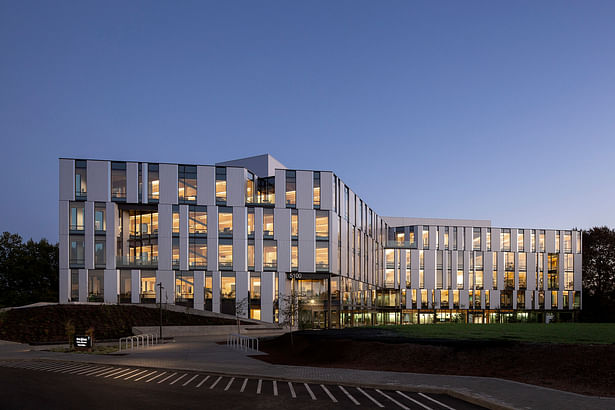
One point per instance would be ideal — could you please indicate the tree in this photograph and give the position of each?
(241, 309)
(599, 274)
(289, 312)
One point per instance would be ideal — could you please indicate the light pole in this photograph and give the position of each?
(160, 299)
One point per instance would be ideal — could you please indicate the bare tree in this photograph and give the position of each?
(241, 309)
(289, 312)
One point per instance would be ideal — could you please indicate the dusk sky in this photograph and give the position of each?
(450, 109)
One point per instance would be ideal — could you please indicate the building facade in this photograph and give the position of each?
(239, 237)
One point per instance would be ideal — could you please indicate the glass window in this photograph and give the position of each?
(346, 202)
(118, 181)
(225, 254)
(251, 255)
(268, 223)
(553, 272)
(186, 183)
(322, 256)
(175, 252)
(488, 239)
(81, 176)
(568, 242)
(509, 261)
(520, 239)
(197, 220)
(100, 222)
(74, 285)
(76, 216)
(291, 189)
(455, 238)
(569, 272)
(294, 224)
(316, 189)
(148, 286)
(533, 240)
(266, 190)
(221, 185)
(208, 289)
(523, 261)
(153, 183)
(322, 225)
(77, 251)
(197, 253)
(554, 299)
(255, 286)
(294, 256)
(175, 219)
(250, 188)
(270, 255)
(541, 241)
(578, 241)
(184, 288)
(446, 238)
(225, 221)
(227, 288)
(425, 237)
(96, 285)
(505, 239)
(557, 241)
(251, 222)
(522, 280)
(99, 253)
(476, 239)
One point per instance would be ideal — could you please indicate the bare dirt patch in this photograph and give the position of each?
(585, 369)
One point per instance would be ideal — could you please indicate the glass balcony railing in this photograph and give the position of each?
(225, 265)
(129, 261)
(322, 267)
(273, 265)
(400, 244)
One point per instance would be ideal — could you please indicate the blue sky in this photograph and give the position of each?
(473, 109)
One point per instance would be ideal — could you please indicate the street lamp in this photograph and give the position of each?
(160, 299)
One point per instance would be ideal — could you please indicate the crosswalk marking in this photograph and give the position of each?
(178, 379)
(392, 399)
(328, 393)
(126, 374)
(118, 372)
(292, 390)
(135, 375)
(98, 370)
(87, 369)
(258, 388)
(309, 391)
(275, 388)
(229, 383)
(349, 395)
(155, 377)
(370, 397)
(145, 375)
(77, 369)
(202, 381)
(113, 370)
(61, 368)
(413, 400)
(193, 377)
(436, 401)
(166, 378)
(70, 367)
(216, 382)
(243, 386)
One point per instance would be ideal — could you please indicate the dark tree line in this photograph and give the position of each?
(599, 275)
(28, 271)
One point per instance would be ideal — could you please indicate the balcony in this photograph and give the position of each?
(322, 267)
(400, 244)
(143, 261)
(270, 266)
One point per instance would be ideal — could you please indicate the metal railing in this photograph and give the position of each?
(242, 342)
(138, 341)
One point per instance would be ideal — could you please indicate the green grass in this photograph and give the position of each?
(601, 333)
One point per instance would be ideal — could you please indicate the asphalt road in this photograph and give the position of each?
(68, 385)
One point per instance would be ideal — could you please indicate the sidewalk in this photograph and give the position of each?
(204, 355)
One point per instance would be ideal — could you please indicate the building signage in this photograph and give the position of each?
(307, 276)
(83, 341)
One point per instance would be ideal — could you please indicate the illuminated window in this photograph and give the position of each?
(148, 286)
(554, 299)
(408, 269)
(100, 222)
(96, 285)
(569, 272)
(197, 220)
(175, 219)
(578, 241)
(270, 255)
(186, 186)
(390, 258)
(495, 270)
(184, 288)
(153, 183)
(266, 190)
(250, 192)
(294, 256)
(557, 240)
(316, 189)
(250, 222)
(197, 253)
(322, 225)
(251, 255)
(425, 237)
(322, 256)
(77, 251)
(505, 239)
(520, 299)
(568, 242)
(291, 189)
(81, 176)
(118, 181)
(553, 271)
(520, 239)
(76, 216)
(476, 239)
(175, 252)
(221, 185)
(533, 240)
(268, 223)
(227, 285)
(488, 239)
(99, 253)
(294, 223)
(225, 221)
(541, 241)
(446, 238)
(225, 254)
(255, 286)
(208, 291)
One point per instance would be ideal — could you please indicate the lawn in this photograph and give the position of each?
(602, 333)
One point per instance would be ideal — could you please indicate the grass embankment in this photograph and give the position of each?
(47, 324)
(570, 333)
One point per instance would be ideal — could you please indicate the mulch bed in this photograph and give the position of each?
(46, 324)
(586, 369)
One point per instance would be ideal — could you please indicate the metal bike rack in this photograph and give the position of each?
(137, 341)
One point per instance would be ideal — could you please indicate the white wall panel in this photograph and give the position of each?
(144, 181)
(67, 180)
(132, 182)
(89, 234)
(307, 241)
(199, 291)
(212, 240)
(83, 285)
(167, 278)
(305, 189)
(267, 296)
(235, 186)
(65, 285)
(206, 185)
(112, 285)
(280, 188)
(240, 245)
(168, 183)
(135, 286)
(327, 191)
(242, 286)
(98, 183)
(165, 247)
(282, 235)
(215, 284)
(112, 222)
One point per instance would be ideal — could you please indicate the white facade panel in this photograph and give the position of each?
(67, 180)
(168, 183)
(112, 285)
(212, 241)
(135, 286)
(98, 181)
(165, 244)
(132, 182)
(305, 189)
(327, 191)
(235, 186)
(280, 188)
(307, 241)
(89, 234)
(206, 185)
(199, 289)
(240, 245)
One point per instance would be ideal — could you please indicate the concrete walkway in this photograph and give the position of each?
(204, 355)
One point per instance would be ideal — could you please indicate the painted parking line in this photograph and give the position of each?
(166, 378)
(292, 390)
(310, 391)
(349, 395)
(333, 399)
(146, 375)
(178, 379)
(229, 383)
(439, 403)
(413, 400)
(258, 388)
(108, 371)
(216, 382)
(60, 367)
(243, 386)
(117, 373)
(370, 397)
(193, 377)
(392, 399)
(73, 368)
(77, 369)
(202, 381)
(126, 374)
(135, 375)
(88, 369)
(275, 388)
(95, 372)
(155, 377)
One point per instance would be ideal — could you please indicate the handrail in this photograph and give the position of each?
(145, 340)
(242, 342)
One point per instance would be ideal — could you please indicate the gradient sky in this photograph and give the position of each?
(452, 109)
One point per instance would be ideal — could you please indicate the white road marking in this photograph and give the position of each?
(216, 382)
(349, 395)
(126, 374)
(146, 375)
(436, 401)
(369, 397)
(115, 369)
(62, 367)
(202, 381)
(104, 372)
(392, 399)
(166, 378)
(413, 400)
(192, 378)
(243, 386)
(328, 393)
(88, 369)
(258, 388)
(178, 379)
(135, 375)
(229, 383)
(309, 391)
(118, 372)
(155, 377)
(275, 388)
(77, 369)
(292, 390)
(99, 370)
